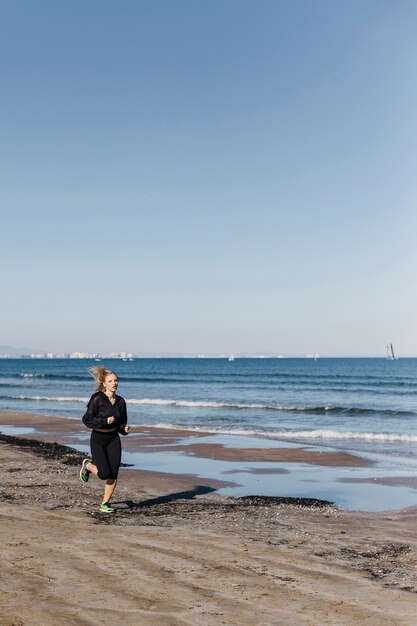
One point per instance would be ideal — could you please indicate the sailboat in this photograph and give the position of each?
(390, 352)
(231, 357)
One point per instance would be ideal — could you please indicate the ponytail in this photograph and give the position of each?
(100, 374)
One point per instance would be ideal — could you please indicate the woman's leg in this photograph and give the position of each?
(99, 466)
(110, 485)
(92, 468)
(114, 456)
(106, 453)
(109, 488)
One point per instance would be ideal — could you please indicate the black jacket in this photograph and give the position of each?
(100, 408)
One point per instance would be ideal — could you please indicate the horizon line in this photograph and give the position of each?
(45, 357)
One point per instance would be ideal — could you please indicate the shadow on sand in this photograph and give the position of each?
(199, 490)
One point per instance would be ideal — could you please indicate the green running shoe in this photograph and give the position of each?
(106, 508)
(84, 472)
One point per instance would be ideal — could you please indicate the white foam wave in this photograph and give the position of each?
(206, 404)
(289, 408)
(32, 375)
(294, 434)
(51, 399)
(155, 402)
(334, 434)
(213, 404)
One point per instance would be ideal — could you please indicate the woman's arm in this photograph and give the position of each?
(124, 426)
(90, 418)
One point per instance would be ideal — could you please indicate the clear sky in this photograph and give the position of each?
(208, 176)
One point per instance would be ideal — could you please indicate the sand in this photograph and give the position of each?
(177, 553)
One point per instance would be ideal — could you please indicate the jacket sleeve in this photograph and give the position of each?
(123, 420)
(90, 418)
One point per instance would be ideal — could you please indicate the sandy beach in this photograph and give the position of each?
(177, 553)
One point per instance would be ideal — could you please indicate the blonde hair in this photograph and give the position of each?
(100, 374)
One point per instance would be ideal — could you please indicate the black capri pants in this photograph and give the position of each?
(106, 453)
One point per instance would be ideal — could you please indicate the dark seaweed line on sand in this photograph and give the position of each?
(51, 451)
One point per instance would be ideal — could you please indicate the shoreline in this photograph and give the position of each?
(178, 553)
(240, 465)
(154, 439)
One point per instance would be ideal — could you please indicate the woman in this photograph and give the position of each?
(106, 415)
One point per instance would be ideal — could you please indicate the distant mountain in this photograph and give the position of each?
(16, 351)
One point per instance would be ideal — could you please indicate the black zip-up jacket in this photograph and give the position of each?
(100, 408)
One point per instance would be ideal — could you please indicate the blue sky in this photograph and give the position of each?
(186, 177)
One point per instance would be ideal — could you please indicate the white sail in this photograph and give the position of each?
(390, 352)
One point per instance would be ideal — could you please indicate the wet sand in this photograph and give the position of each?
(219, 452)
(149, 440)
(177, 553)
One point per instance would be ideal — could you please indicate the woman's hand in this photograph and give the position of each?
(127, 428)
(110, 420)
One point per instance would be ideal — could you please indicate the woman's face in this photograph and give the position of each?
(111, 382)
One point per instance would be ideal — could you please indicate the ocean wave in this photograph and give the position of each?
(314, 409)
(187, 403)
(351, 435)
(49, 398)
(32, 375)
(355, 384)
(54, 376)
(241, 406)
(293, 434)
(133, 379)
(296, 378)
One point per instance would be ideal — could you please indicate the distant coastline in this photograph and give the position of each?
(128, 356)
(12, 352)
(68, 355)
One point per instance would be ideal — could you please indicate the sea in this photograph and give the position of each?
(364, 406)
